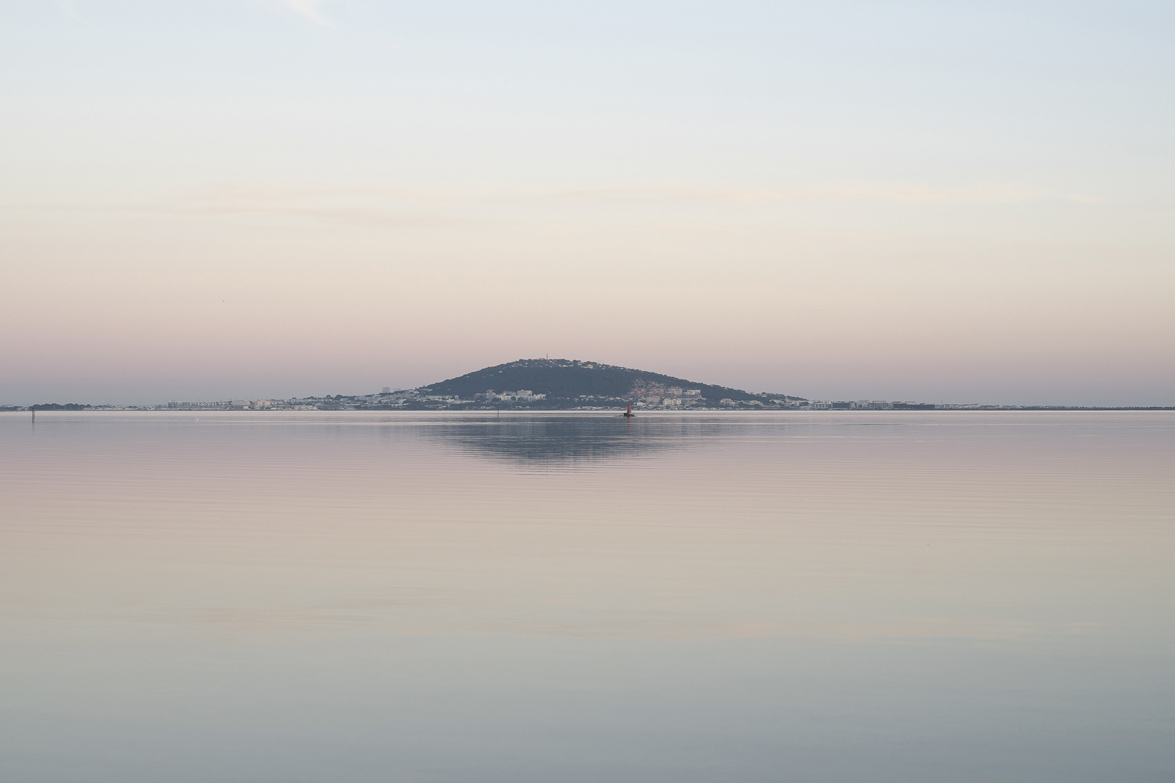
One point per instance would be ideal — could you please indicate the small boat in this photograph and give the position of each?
(628, 414)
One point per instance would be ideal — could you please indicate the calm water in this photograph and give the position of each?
(810, 597)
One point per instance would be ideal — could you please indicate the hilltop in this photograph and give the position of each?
(560, 383)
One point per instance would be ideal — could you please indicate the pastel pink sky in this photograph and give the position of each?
(249, 199)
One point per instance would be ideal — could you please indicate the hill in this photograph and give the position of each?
(566, 382)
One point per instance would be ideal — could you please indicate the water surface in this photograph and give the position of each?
(382, 597)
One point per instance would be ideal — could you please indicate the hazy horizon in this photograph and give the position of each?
(146, 400)
(266, 199)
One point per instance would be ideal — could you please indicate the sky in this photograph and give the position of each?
(214, 199)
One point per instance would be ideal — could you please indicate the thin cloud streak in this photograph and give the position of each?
(412, 206)
(249, 197)
(307, 9)
(230, 198)
(873, 192)
(67, 8)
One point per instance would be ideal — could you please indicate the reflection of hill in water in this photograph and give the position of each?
(573, 438)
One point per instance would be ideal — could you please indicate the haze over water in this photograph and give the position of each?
(359, 597)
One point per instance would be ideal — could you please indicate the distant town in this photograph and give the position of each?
(668, 400)
(549, 384)
(673, 398)
(646, 399)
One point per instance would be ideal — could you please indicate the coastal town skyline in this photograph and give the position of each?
(643, 391)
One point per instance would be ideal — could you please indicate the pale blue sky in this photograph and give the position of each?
(966, 201)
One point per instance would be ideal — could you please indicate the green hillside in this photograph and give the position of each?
(565, 380)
